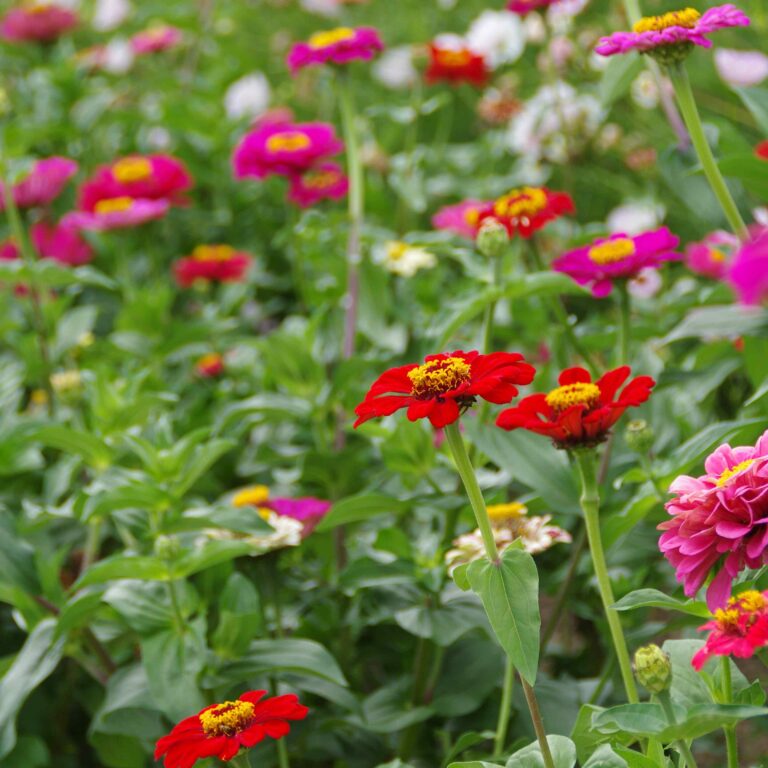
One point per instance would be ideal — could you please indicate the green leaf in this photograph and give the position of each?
(719, 322)
(240, 617)
(79, 609)
(756, 101)
(605, 757)
(361, 507)
(617, 78)
(202, 460)
(142, 567)
(510, 594)
(47, 273)
(90, 448)
(446, 623)
(389, 710)
(635, 759)
(468, 740)
(563, 754)
(653, 598)
(144, 605)
(211, 553)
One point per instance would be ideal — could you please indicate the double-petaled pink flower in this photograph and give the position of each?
(462, 218)
(37, 22)
(618, 257)
(325, 181)
(712, 255)
(212, 264)
(719, 520)
(335, 46)
(43, 184)
(117, 213)
(156, 39)
(524, 7)
(748, 272)
(57, 242)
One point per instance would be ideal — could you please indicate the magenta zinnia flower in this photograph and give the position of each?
(43, 184)
(711, 256)
(326, 181)
(462, 218)
(285, 149)
(748, 273)
(61, 243)
(524, 7)
(617, 257)
(673, 35)
(38, 22)
(117, 213)
(155, 39)
(335, 46)
(719, 520)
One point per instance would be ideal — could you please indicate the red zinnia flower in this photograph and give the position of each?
(761, 150)
(455, 65)
(212, 264)
(445, 385)
(221, 730)
(579, 412)
(524, 211)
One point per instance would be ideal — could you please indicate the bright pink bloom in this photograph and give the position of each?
(462, 218)
(710, 257)
(61, 243)
(719, 520)
(738, 630)
(43, 184)
(326, 181)
(335, 46)
(524, 7)
(678, 28)
(39, 22)
(617, 257)
(156, 39)
(212, 264)
(285, 149)
(117, 213)
(9, 251)
(748, 273)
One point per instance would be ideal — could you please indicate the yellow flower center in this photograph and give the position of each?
(729, 473)
(472, 216)
(253, 496)
(212, 358)
(227, 719)
(330, 37)
(437, 377)
(612, 251)
(114, 205)
(728, 618)
(213, 253)
(132, 169)
(579, 393)
(750, 601)
(686, 18)
(716, 255)
(321, 179)
(519, 203)
(288, 141)
(36, 7)
(396, 250)
(502, 512)
(453, 59)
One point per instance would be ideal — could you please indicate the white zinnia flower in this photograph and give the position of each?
(109, 14)
(395, 69)
(247, 97)
(497, 36)
(406, 260)
(635, 217)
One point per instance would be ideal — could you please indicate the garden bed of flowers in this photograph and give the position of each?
(383, 384)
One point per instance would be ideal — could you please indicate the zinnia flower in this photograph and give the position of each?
(672, 36)
(61, 243)
(335, 46)
(210, 366)
(405, 259)
(748, 273)
(761, 150)
(741, 69)
(117, 213)
(284, 148)
(212, 264)
(222, 730)
(307, 511)
(462, 218)
(524, 7)
(39, 22)
(326, 181)
(719, 519)
(711, 256)
(452, 61)
(445, 385)
(738, 630)
(617, 257)
(43, 184)
(580, 412)
(156, 39)
(526, 210)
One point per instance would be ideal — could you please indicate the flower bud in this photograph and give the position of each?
(653, 669)
(492, 238)
(639, 436)
(167, 547)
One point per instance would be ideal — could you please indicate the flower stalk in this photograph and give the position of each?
(681, 745)
(505, 708)
(731, 745)
(625, 323)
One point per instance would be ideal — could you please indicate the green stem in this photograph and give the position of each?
(490, 310)
(645, 462)
(282, 754)
(91, 551)
(177, 614)
(538, 723)
(731, 744)
(590, 504)
(681, 745)
(505, 708)
(687, 103)
(421, 668)
(625, 323)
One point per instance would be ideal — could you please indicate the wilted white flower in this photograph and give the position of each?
(635, 217)
(395, 68)
(404, 259)
(741, 68)
(497, 36)
(286, 533)
(247, 97)
(109, 14)
(645, 90)
(646, 284)
(535, 29)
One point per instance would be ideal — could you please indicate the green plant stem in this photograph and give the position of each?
(421, 669)
(681, 745)
(731, 745)
(590, 505)
(177, 614)
(282, 754)
(490, 310)
(91, 551)
(645, 462)
(690, 112)
(625, 323)
(505, 708)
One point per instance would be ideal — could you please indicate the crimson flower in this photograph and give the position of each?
(445, 385)
(222, 730)
(525, 210)
(580, 412)
(761, 150)
(455, 64)
(212, 264)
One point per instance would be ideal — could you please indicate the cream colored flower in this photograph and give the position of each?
(406, 260)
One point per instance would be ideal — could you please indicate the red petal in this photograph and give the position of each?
(392, 381)
(444, 413)
(574, 375)
(637, 391)
(610, 382)
(254, 697)
(379, 406)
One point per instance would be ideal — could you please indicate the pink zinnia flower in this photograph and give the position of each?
(741, 68)
(719, 520)
(326, 181)
(672, 35)
(308, 510)
(156, 39)
(748, 273)
(43, 184)
(738, 630)
(212, 264)
(617, 257)
(117, 213)
(462, 218)
(524, 7)
(39, 22)
(61, 243)
(335, 46)
(285, 149)
(710, 257)
(9, 251)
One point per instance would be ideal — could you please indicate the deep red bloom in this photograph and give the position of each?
(212, 264)
(210, 366)
(526, 210)
(221, 730)
(445, 385)
(761, 150)
(455, 65)
(578, 412)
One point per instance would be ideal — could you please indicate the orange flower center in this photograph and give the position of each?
(728, 618)
(500, 513)
(114, 205)
(227, 719)
(132, 169)
(521, 203)
(716, 255)
(612, 251)
(436, 377)
(472, 216)
(321, 179)
(453, 59)
(578, 393)
(729, 473)
(206, 361)
(213, 253)
(288, 141)
(253, 496)
(330, 37)
(687, 18)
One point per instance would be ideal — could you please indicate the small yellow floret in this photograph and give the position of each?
(727, 618)
(579, 393)
(227, 719)
(519, 203)
(750, 601)
(612, 251)
(114, 205)
(729, 473)
(439, 376)
(288, 141)
(253, 496)
(510, 511)
(132, 169)
(213, 253)
(330, 37)
(686, 18)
